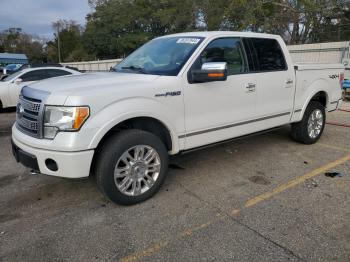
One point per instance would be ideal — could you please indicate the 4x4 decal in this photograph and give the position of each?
(333, 76)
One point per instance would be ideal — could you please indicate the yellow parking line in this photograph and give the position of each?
(164, 243)
(145, 253)
(334, 147)
(295, 182)
(252, 202)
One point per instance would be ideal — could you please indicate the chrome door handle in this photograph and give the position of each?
(250, 87)
(289, 81)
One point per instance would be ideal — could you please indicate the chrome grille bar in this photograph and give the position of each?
(28, 124)
(33, 107)
(29, 115)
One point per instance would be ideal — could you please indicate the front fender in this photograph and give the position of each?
(113, 114)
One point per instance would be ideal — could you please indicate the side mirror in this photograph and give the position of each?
(210, 72)
(18, 81)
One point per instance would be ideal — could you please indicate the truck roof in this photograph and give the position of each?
(207, 34)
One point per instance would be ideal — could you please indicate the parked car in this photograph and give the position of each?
(11, 85)
(175, 93)
(11, 68)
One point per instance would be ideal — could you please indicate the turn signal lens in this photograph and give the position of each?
(216, 75)
(81, 114)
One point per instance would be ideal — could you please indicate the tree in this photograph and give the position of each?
(305, 21)
(117, 27)
(32, 46)
(71, 46)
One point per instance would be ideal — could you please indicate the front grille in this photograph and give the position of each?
(28, 116)
(30, 111)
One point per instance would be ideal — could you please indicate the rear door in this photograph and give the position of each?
(274, 81)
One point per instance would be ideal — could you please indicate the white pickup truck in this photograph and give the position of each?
(175, 93)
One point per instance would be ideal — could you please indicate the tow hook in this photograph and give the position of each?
(34, 172)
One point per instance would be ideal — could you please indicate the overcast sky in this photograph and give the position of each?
(36, 16)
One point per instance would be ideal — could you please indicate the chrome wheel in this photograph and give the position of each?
(315, 123)
(137, 170)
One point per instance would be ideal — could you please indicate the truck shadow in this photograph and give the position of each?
(8, 110)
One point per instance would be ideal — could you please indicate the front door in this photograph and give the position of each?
(220, 110)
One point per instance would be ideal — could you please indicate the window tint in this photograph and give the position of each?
(161, 56)
(251, 55)
(269, 54)
(57, 72)
(35, 75)
(227, 50)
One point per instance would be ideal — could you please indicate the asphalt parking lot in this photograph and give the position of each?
(263, 198)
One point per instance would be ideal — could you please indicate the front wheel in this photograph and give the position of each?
(131, 166)
(310, 128)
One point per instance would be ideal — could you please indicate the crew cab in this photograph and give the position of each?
(175, 93)
(11, 85)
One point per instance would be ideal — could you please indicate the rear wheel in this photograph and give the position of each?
(131, 166)
(310, 128)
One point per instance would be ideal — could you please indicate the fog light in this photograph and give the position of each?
(51, 164)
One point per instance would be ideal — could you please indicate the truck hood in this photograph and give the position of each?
(75, 84)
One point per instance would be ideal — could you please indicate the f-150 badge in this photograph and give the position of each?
(174, 93)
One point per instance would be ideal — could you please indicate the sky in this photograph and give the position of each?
(36, 16)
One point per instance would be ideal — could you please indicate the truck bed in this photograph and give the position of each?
(316, 66)
(312, 78)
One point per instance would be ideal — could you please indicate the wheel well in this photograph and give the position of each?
(320, 97)
(148, 124)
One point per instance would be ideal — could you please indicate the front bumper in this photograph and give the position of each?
(69, 164)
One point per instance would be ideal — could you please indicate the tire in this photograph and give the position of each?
(300, 130)
(113, 160)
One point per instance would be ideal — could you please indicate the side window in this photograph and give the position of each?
(35, 75)
(269, 54)
(227, 50)
(57, 72)
(251, 55)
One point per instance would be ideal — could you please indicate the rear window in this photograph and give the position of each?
(265, 55)
(57, 72)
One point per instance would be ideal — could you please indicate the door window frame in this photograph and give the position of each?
(245, 60)
(44, 71)
(256, 59)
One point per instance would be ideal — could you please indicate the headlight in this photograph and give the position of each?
(63, 118)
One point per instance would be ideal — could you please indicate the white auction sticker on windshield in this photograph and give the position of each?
(187, 40)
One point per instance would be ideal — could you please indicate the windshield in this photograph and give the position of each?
(11, 77)
(161, 56)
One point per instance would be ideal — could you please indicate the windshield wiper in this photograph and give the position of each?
(135, 68)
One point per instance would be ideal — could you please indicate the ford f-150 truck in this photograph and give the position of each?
(175, 93)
